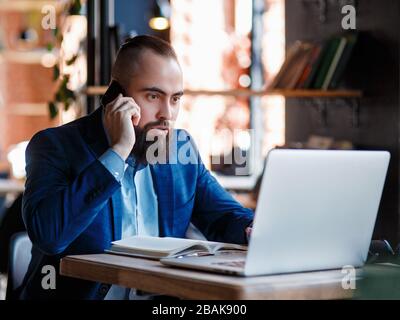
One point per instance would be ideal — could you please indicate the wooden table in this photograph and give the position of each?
(152, 276)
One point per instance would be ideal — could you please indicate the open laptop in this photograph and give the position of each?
(316, 211)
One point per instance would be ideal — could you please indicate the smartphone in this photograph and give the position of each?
(112, 92)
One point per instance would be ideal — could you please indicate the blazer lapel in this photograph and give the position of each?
(164, 188)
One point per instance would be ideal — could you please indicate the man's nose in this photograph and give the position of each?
(165, 111)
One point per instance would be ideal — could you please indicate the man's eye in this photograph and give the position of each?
(176, 99)
(152, 96)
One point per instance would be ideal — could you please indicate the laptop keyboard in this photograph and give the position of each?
(235, 263)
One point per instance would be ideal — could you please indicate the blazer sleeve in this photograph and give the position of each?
(57, 208)
(216, 213)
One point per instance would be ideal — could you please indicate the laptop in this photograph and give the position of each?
(316, 211)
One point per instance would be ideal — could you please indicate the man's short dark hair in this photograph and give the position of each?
(130, 51)
(155, 44)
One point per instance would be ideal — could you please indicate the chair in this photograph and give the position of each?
(20, 256)
(380, 251)
(3, 175)
(11, 224)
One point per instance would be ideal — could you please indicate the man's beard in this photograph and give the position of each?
(143, 141)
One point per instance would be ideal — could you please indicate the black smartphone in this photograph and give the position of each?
(112, 92)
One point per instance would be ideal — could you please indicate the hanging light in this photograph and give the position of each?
(159, 23)
(161, 15)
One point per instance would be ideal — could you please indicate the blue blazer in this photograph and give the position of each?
(68, 204)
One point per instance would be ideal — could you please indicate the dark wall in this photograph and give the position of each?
(133, 15)
(375, 70)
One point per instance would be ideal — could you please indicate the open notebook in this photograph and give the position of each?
(156, 248)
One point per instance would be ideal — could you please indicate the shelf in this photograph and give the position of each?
(26, 5)
(11, 186)
(284, 93)
(99, 90)
(352, 95)
(29, 109)
(23, 57)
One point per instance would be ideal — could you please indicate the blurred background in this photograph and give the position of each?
(245, 81)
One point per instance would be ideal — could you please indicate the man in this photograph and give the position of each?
(89, 183)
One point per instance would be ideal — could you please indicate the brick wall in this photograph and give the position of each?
(22, 85)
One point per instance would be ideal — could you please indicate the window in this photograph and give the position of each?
(213, 43)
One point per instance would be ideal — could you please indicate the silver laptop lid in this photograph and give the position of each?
(316, 210)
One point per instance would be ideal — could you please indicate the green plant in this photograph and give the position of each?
(63, 96)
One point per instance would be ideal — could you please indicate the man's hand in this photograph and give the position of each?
(120, 116)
